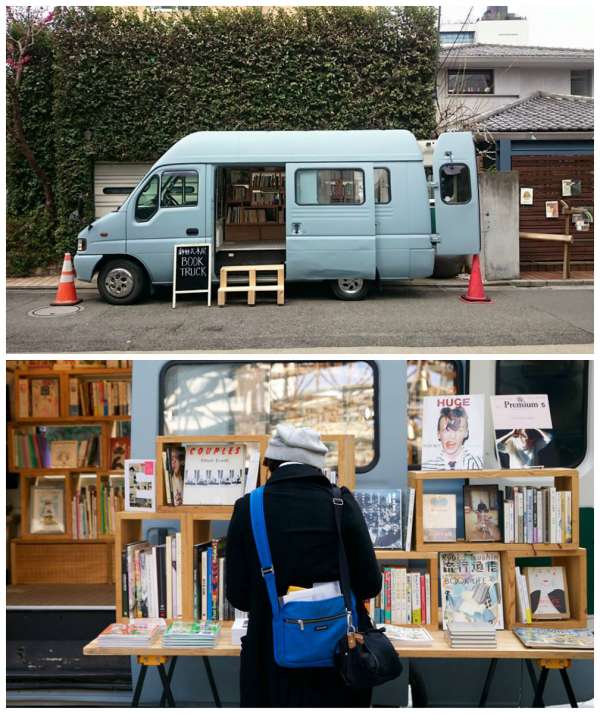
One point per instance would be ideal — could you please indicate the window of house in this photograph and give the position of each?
(329, 187)
(179, 188)
(455, 183)
(382, 186)
(470, 81)
(253, 397)
(466, 37)
(146, 204)
(427, 378)
(581, 82)
(566, 384)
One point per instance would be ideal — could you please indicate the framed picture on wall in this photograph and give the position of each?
(526, 196)
(552, 209)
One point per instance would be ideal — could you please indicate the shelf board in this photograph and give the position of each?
(75, 372)
(59, 538)
(392, 554)
(44, 421)
(30, 473)
(492, 474)
(206, 513)
(523, 549)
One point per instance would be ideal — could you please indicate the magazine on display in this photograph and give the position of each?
(453, 433)
(471, 588)
(523, 431)
(548, 639)
(214, 474)
(382, 510)
(140, 485)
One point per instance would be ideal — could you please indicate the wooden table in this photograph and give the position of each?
(509, 647)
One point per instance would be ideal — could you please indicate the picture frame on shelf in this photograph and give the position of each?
(482, 513)
(47, 515)
(548, 592)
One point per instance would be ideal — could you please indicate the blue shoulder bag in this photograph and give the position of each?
(305, 633)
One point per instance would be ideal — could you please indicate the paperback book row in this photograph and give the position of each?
(61, 365)
(40, 398)
(48, 447)
(405, 598)
(151, 578)
(519, 514)
(210, 602)
(242, 215)
(94, 516)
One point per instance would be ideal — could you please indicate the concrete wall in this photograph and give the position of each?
(456, 683)
(499, 206)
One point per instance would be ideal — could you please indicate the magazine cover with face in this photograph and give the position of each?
(453, 431)
(523, 431)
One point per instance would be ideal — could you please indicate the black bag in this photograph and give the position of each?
(363, 659)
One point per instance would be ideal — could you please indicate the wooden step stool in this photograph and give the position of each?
(251, 288)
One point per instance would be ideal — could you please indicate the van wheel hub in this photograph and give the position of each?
(351, 285)
(119, 282)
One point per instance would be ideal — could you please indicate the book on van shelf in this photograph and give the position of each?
(44, 398)
(548, 638)
(214, 474)
(140, 485)
(453, 429)
(382, 510)
(409, 636)
(439, 517)
(471, 588)
(548, 593)
(523, 431)
(481, 510)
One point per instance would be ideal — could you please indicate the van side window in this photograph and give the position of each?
(327, 187)
(179, 188)
(383, 193)
(147, 201)
(455, 183)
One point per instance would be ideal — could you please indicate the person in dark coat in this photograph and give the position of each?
(304, 546)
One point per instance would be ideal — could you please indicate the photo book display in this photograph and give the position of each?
(439, 517)
(547, 592)
(382, 510)
(471, 588)
(482, 515)
(523, 431)
(140, 485)
(47, 507)
(453, 433)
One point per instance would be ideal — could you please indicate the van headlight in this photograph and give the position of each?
(81, 245)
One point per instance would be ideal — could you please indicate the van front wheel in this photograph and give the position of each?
(121, 282)
(350, 288)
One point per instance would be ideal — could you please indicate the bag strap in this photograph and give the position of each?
(261, 540)
(338, 504)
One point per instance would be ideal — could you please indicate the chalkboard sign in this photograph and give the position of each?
(192, 269)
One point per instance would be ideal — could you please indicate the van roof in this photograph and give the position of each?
(293, 146)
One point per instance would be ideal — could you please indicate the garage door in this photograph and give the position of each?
(114, 182)
(545, 175)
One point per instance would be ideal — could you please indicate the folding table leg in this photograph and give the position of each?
(211, 681)
(169, 677)
(488, 682)
(139, 686)
(568, 688)
(538, 700)
(532, 677)
(166, 686)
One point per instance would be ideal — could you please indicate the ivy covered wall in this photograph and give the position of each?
(109, 85)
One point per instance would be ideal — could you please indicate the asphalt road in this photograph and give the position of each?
(403, 317)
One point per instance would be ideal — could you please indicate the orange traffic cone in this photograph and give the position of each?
(475, 291)
(66, 293)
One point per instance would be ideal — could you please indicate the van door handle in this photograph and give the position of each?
(296, 228)
(192, 231)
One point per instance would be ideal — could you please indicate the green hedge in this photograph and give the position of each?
(124, 87)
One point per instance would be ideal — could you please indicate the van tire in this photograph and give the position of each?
(350, 288)
(122, 282)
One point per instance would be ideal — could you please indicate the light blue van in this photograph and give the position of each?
(347, 207)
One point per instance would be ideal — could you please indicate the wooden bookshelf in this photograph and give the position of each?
(248, 205)
(564, 480)
(39, 558)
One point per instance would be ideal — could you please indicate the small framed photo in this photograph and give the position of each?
(526, 196)
(47, 510)
(548, 594)
(571, 187)
(552, 209)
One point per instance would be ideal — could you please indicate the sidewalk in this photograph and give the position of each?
(50, 283)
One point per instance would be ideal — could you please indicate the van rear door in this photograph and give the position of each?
(456, 195)
(330, 221)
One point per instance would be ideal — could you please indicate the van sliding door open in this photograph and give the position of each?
(330, 221)
(456, 195)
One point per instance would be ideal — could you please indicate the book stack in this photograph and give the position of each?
(102, 397)
(151, 578)
(133, 634)
(405, 598)
(537, 515)
(191, 634)
(472, 635)
(210, 603)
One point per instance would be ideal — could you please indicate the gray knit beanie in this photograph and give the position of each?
(302, 445)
